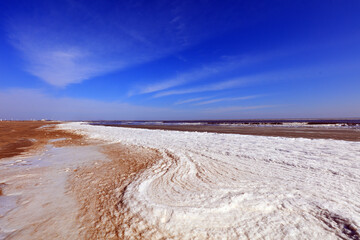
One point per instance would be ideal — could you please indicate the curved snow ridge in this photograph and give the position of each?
(214, 186)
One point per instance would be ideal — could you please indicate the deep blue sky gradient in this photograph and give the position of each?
(179, 59)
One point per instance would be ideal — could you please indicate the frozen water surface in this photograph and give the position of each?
(220, 186)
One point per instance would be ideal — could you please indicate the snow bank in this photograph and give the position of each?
(217, 186)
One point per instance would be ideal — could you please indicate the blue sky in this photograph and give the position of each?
(148, 60)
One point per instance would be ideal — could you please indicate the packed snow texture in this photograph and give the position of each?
(228, 186)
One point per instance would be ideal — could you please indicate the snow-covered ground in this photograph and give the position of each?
(228, 186)
(36, 204)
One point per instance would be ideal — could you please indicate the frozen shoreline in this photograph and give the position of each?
(311, 132)
(212, 185)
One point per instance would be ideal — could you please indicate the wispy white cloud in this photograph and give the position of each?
(60, 49)
(179, 80)
(191, 100)
(294, 74)
(57, 62)
(35, 104)
(207, 88)
(227, 64)
(69, 42)
(236, 108)
(63, 67)
(228, 99)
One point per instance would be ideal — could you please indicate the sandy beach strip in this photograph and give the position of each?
(18, 137)
(56, 184)
(347, 134)
(34, 168)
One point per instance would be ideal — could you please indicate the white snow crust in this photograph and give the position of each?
(230, 186)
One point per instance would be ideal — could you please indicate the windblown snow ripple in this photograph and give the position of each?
(214, 186)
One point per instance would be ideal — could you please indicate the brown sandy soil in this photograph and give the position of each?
(294, 132)
(33, 201)
(99, 189)
(17, 137)
(79, 197)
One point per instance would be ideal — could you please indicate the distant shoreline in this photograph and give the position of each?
(347, 134)
(356, 119)
(344, 123)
